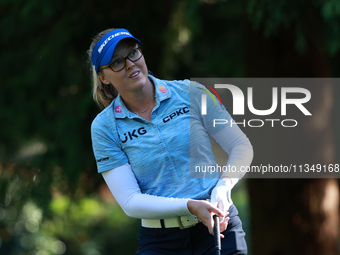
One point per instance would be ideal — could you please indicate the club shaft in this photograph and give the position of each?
(217, 234)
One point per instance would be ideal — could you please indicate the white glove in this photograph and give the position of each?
(221, 195)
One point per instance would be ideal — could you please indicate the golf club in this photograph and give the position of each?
(217, 234)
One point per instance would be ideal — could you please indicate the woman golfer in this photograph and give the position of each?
(152, 146)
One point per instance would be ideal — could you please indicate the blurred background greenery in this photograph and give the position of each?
(52, 201)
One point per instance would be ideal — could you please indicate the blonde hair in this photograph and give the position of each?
(103, 94)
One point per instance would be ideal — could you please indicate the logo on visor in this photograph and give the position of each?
(109, 39)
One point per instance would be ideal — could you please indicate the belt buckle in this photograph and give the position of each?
(180, 223)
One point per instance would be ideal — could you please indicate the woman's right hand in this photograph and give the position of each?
(204, 211)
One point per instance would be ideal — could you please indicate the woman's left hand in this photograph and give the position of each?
(204, 211)
(221, 195)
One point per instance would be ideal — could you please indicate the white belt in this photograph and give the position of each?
(177, 222)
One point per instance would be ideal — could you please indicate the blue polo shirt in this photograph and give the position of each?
(159, 151)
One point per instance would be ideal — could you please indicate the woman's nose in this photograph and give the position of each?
(129, 63)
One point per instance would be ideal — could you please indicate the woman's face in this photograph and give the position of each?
(133, 77)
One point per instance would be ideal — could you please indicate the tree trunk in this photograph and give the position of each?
(293, 216)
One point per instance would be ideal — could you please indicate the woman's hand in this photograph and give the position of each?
(204, 211)
(221, 194)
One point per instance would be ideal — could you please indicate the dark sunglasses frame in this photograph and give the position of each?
(127, 57)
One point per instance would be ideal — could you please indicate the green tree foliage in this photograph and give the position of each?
(315, 20)
(85, 226)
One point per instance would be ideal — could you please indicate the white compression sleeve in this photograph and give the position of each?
(124, 187)
(239, 148)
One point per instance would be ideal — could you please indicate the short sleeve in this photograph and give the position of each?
(106, 148)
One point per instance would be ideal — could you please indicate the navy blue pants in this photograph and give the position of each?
(193, 241)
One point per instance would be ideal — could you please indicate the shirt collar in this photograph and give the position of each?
(162, 89)
(162, 92)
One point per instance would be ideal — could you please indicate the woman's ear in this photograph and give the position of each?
(103, 79)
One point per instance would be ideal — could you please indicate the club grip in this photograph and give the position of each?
(217, 232)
